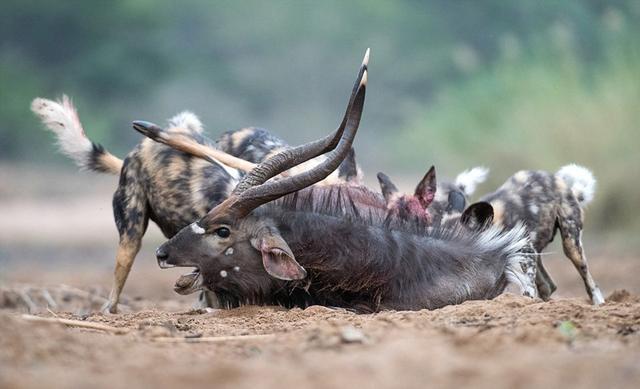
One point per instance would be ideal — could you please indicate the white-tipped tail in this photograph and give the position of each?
(580, 180)
(187, 120)
(62, 118)
(469, 179)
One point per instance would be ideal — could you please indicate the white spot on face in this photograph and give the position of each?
(534, 209)
(236, 268)
(229, 251)
(197, 229)
(223, 273)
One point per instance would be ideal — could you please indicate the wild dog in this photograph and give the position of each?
(545, 202)
(158, 183)
(282, 242)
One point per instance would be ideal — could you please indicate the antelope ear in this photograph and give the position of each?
(478, 215)
(426, 189)
(277, 258)
(387, 187)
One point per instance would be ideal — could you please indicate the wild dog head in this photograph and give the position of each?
(407, 206)
(453, 197)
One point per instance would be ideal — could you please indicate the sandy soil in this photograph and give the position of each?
(63, 269)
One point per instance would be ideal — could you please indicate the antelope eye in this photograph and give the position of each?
(223, 232)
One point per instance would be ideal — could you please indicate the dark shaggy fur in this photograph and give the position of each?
(352, 259)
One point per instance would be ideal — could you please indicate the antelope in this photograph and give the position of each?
(291, 243)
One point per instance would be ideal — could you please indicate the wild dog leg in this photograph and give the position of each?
(131, 216)
(529, 266)
(544, 282)
(126, 254)
(570, 221)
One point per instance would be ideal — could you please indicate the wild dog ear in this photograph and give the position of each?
(277, 257)
(426, 189)
(478, 215)
(387, 187)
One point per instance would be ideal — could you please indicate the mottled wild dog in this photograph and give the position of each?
(281, 242)
(156, 182)
(545, 202)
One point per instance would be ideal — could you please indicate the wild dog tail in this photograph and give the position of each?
(62, 118)
(469, 179)
(581, 182)
(186, 121)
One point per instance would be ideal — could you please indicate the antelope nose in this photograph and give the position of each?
(162, 255)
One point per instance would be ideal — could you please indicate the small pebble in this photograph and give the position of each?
(351, 335)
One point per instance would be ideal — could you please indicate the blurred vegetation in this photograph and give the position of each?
(510, 85)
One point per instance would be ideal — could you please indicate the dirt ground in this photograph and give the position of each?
(510, 342)
(62, 270)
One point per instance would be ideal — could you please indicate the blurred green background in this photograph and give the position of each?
(530, 84)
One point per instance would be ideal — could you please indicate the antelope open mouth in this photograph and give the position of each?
(189, 283)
